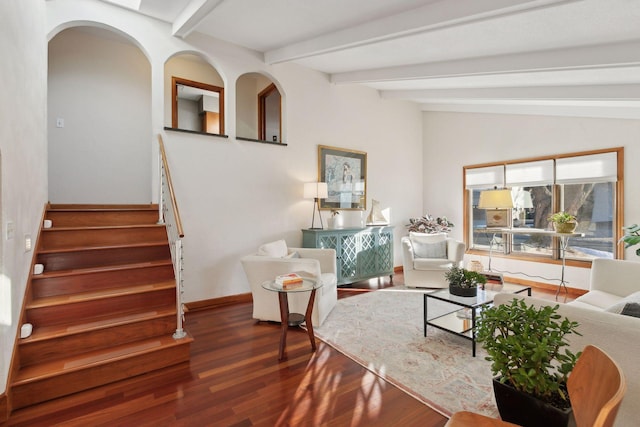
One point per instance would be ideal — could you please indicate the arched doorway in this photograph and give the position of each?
(99, 118)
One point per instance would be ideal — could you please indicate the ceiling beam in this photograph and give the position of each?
(620, 92)
(423, 19)
(611, 55)
(192, 15)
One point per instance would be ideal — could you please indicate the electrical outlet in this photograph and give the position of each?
(11, 230)
(59, 122)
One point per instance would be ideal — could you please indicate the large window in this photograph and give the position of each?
(583, 184)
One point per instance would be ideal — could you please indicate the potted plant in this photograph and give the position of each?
(525, 345)
(631, 237)
(563, 222)
(334, 221)
(463, 282)
(430, 225)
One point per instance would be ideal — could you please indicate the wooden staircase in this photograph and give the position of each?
(105, 307)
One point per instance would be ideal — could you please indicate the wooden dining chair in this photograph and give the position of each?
(596, 387)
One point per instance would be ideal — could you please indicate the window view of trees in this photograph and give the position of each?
(592, 201)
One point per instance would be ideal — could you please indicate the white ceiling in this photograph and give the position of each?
(577, 57)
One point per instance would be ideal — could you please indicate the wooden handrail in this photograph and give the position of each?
(174, 204)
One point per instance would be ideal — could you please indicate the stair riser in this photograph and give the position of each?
(67, 346)
(43, 286)
(23, 395)
(102, 218)
(89, 310)
(52, 239)
(102, 257)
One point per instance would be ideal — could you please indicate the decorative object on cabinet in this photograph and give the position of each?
(376, 217)
(335, 221)
(430, 225)
(361, 253)
(345, 172)
(315, 191)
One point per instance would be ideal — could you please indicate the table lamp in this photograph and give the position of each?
(316, 191)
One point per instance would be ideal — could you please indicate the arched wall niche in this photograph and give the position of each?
(194, 94)
(259, 108)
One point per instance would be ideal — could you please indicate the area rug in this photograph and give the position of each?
(383, 331)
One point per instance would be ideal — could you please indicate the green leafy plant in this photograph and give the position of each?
(561, 218)
(525, 345)
(463, 278)
(631, 237)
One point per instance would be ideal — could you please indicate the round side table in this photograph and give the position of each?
(294, 319)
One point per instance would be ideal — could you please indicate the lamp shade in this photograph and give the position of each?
(522, 200)
(495, 199)
(313, 190)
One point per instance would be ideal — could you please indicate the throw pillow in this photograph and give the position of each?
(620, 305)
(293, 254)
(429, 245)
(631, 309)
(277, 249)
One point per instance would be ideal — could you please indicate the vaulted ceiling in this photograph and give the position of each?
(575, 57)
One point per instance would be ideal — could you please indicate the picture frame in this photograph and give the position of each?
(498, 218)
(345, 172)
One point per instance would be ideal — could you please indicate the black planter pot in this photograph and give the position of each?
(463, 292)
(527, 411)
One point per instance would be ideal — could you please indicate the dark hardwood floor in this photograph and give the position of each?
(234, 379)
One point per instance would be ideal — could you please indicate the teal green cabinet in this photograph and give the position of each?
(362, 253)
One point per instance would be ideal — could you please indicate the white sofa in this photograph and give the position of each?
(614, 285)
(426, 257)
(612, 282)
(277, 259)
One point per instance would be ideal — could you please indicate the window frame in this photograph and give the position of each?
(618, 246)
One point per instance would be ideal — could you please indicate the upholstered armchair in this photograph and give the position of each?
(426, 257)
(274, 259)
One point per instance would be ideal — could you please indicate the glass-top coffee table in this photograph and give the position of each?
(461, 320)
(294, 319)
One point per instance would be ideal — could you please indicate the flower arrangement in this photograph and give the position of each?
(430, 225)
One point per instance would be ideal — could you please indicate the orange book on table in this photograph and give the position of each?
(289, 280)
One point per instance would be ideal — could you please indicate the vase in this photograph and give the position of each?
(526, 410)
(565, 227)
(463, 292)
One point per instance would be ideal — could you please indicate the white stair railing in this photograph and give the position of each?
(169, 215)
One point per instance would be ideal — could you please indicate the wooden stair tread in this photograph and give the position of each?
(105, 247)
(42, 333)
(88, 270)
(81, 297)
(101, 227)
(98, 208)
(96, 358)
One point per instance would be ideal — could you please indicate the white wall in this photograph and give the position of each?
(23, 153)
(102, 90)
(453, 140)
(235, 195)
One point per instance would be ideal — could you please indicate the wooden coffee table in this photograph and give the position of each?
(461, 320)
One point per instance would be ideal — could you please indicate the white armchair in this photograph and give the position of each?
(426, 257)
(277, 259)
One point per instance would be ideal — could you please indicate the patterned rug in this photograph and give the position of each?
(383, 331)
